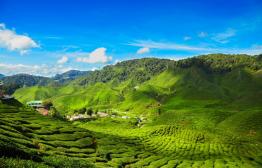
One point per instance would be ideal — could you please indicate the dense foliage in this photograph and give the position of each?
(14, 82)
(11, 83)
(69, 76)
(222, 62)
(138, 70)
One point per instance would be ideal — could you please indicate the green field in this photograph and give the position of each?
(199, 112)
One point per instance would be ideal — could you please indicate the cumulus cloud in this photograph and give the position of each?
(224, 36)
(43, 70)
(143, 50)
(94, 69)
(15, 42)
(96, 56)
(63, 60)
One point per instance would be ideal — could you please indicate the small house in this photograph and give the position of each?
(35, 104)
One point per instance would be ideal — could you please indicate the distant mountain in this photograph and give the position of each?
(1, 76)
(14, 82)
(69, 75)
(11, 83)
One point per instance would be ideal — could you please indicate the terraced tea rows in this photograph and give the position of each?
(202, 146)
(171, 146)
(40, 141)
(28, 135)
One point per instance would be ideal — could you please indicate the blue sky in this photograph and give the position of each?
(46, 37)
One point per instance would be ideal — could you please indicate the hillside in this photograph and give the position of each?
(69, 76)
(202, 87)
(203, 111)
(137, 85)
(28, 139)
(137, 70)
(14, 82)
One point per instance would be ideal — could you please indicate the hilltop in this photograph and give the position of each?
(69, 76)
(14, 82)
(203, 111)
(137, 85)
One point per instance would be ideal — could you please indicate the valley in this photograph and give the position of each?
(204, 111)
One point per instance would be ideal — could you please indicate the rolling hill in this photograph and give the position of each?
(69, 76)
(14, 82)
(203, 111)
(226, 79)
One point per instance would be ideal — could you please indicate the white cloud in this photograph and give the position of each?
(15, 42)
(250, 51)
(187, 38)
(253, 50)
(94, 68)
(116, 61)
(167, 46)
(96, 56)
(143, 50)
(43, 70)
(224, 36)
(62, 60)
(2, 26)
(202, 34)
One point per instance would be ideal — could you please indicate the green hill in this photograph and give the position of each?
(138, 85)
(204, 111)
(28, 139)
(14, 82)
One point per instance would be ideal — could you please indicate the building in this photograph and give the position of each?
(35, 104)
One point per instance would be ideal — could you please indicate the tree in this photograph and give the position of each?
(54, 113)
(48, 104)
(89, 111)
(82, 110)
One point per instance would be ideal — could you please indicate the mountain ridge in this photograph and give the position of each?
(213, 75)
(17, 81)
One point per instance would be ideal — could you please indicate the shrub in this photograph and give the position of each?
(90, 111)
(48, 104)
(54, 113)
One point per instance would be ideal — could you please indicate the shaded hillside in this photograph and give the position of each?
(69, 76)
(12, 83)
(137, 70)
(140, 85)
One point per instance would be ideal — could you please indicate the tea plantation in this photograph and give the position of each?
(31, 140)
(199, 112)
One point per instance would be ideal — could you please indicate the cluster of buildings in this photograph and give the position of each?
(38, 106)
